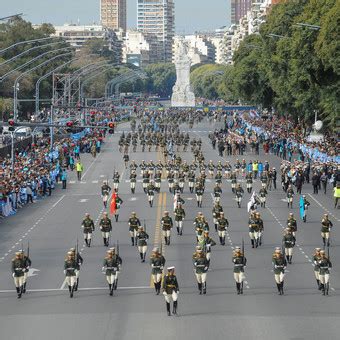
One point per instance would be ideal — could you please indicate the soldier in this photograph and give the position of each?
(217, 193)
(191, 179)
(239, 193)
(263, 195)
(79, 261)
(171, 178)
(249, 181)
(199, 190)
(105, 189)
(216, 211)
(259, 222)
(179, 217)
(170, 290)
(142, 237)
(88, 228)
(111, 266)
(325, 265)
(223, 224)
(146, 180)
(28, 263)
(70, 270)
(240, 263)
(201, 266)
(133, 180)
(158, 180)
(18, 271)
(116, 180)
(233, 181)
(288, 242)
(200, 224)
(207, 243)
(290, 194)
(105, 226)
(167, 225)
(291, 222)
(134, 223)
(326, 226)
(151, 193)
(253, 230)
(316, 259)
(157, 262)
(119, 203)
(279, 264)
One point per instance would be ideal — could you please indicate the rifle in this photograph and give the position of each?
(117, 246)
(28, 249)
(243, 261)
(144, 226)
(77, 251)
(327, 286)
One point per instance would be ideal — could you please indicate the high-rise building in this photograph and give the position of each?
(113, 14)
(157, 18)
(239, 9)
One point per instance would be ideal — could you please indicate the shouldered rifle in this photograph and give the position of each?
(28, 249)
(144, 226)
(117, 246)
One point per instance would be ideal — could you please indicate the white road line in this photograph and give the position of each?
(324, 208)
(56, 203)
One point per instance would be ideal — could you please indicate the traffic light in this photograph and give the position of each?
(69, 126)
(11, 124)
(111, 128)
(93, 116)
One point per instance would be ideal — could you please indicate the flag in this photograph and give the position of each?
(302, 207)
(113, 204)
(252, 201)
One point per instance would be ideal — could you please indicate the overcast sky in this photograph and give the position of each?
(191, 15)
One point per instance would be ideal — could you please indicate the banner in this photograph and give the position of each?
(113, 205)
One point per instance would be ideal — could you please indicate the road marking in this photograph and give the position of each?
(72, 182)
(95, 181)
(83, 200)
(32, 272)
(133, 199)
(315, 200)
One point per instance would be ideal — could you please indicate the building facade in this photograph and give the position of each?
(239, 8)
(156, 18)
(113, 14)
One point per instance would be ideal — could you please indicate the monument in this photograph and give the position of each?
(182, 94)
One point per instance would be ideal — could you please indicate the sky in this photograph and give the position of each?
(191, 15)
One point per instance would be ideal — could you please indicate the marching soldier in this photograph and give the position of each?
(119, 203)
(200, 225)
(158, 180)
(199, 190)
(292, 223)
(142, 237)
(290, 194)
(116, 180)
(201, 266)
(28, 263)
(240, 263)
(167, 225)
(191, 179)
(70, 270)
(133, 180)
(316, 259)
(207, 243)
(233, 181)
(106, 227)
(157, 262)
(217, 193)
(259, 222)
(325, 265)
(171, 178)
(288, 242)
(88, 228)
(326, 226)
(170, 290)
(79, 261)
(217, 209)
(134, 223)
(253, 230)
(111, 266)
(146, 180)
(263, 195)
(105, 189)
(249, 181)
(279, 264)
(223, 224)
(18, 271)
(151, 193)
(179, 217)
(239, 193)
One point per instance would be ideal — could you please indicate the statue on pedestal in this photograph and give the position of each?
(182, 94)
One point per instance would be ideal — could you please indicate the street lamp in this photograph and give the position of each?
(12, 16)
(23, 43)
(312, 27)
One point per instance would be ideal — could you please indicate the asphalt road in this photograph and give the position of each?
(52, 226)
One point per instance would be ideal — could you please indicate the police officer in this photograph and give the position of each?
(18, 270)
(134, 223)
(179, 217)
(326, 226)
(171, 290)
(223, 224)
(167, 225)
(240, 262)
(279, 266)
(142, 237)
(105, 189)
(88, 228)
(106, 227)
(288, 242)
(325, 265)
(111, 266)
(201, 266)
(157, 262)
(70, 270)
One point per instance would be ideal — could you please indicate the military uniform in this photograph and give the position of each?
(179, 217)
(240, 262)
(292, 224)
(167, 225)
(279, 266)
(106, 228)
(253, 231)
(133, 180)
(207, 242)
(111, 266)
(18, 268)
(170, 290)
(316, 259)
(119, 203)
(201, 265)
(324, 264)
(151, 193)
(142, 237)
(134, 223)
(223, 224)
(263, 195)
(71, 267)
(239, 193)
(290, 194)
(157, 262)
(326, 226)
(105, 189)
(217, 193)
(116, 179)
(288, 242)
(88, 228)
(216, 211)
(191, 179)
(199, 190)
(249, 182)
